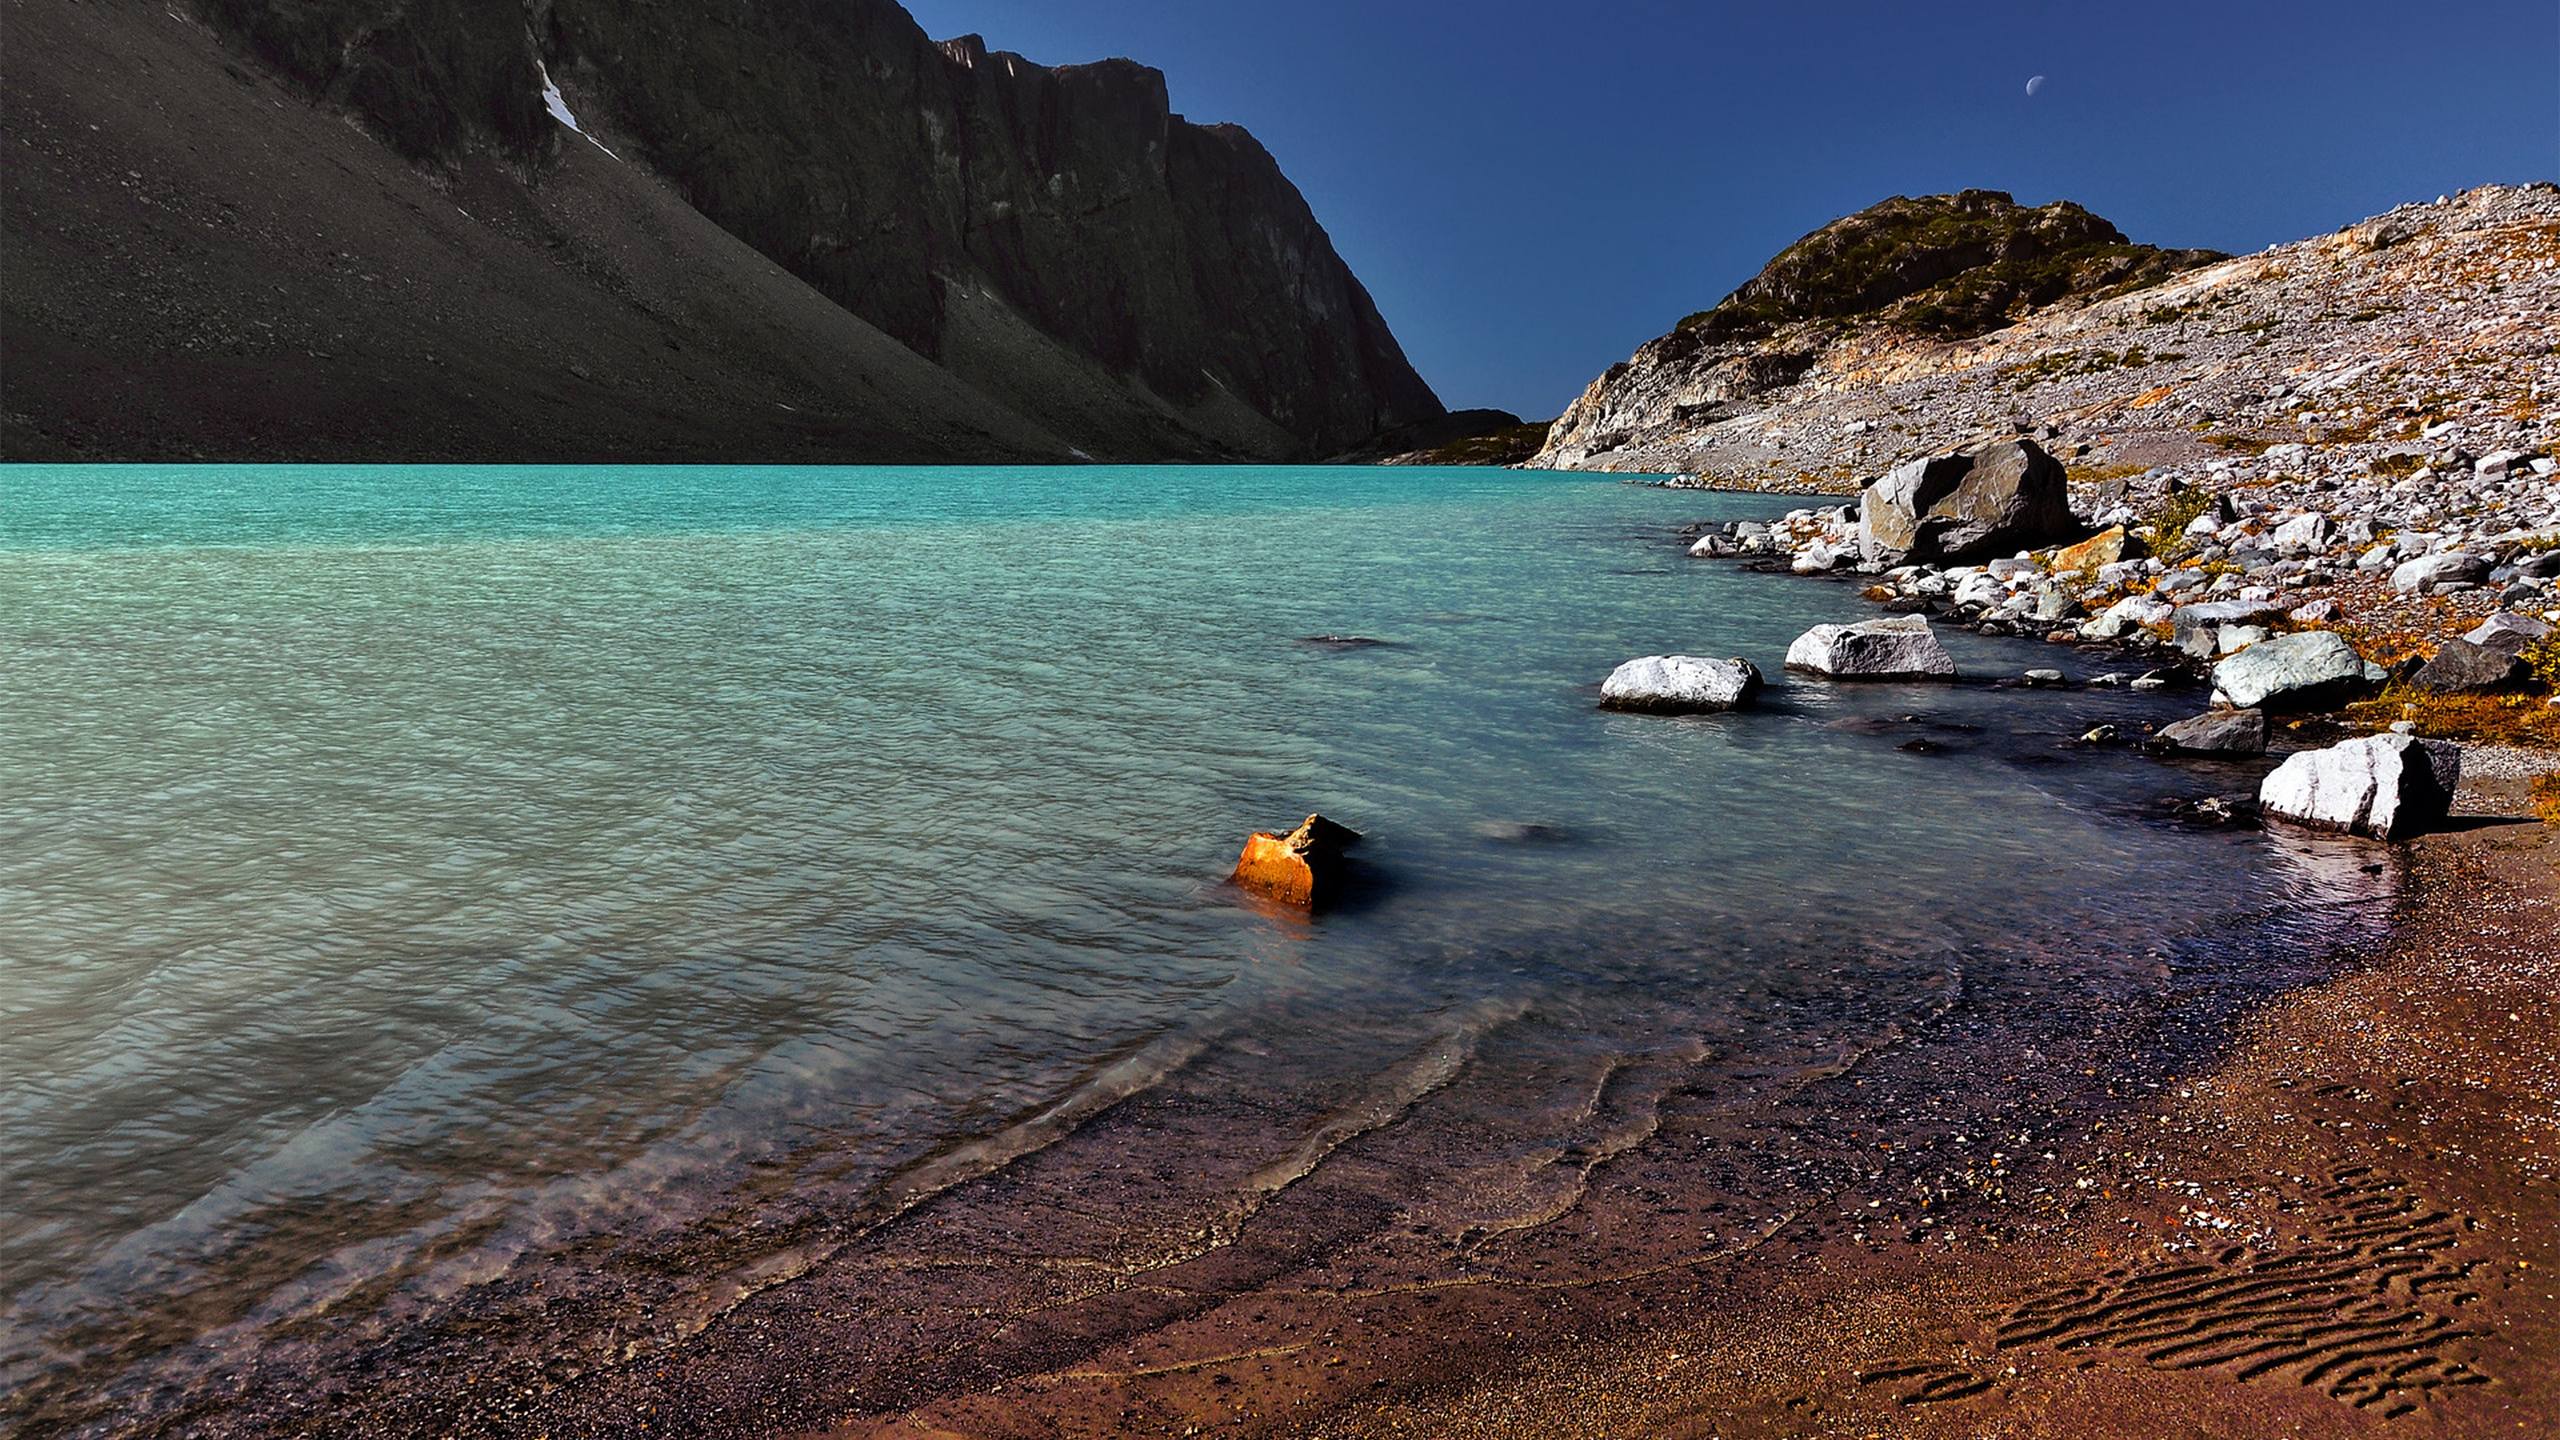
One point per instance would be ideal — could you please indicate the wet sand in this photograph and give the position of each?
(2349, 1225)
(2277, 1197)
(2262, 1194)
(2345, 1222)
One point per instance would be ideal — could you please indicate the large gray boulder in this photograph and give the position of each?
(2307, 670)
(2385, 786)
(2216, 732)
(1900, 647)
(1962, 508)
(2466, 667)
(1680, 684)
(2507, 631)
(2302, 534)
(2433, 574)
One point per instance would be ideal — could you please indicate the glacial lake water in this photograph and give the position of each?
(419, 881)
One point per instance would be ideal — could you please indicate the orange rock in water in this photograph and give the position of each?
(1301, 868)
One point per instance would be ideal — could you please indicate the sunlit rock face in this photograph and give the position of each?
(1933, 268)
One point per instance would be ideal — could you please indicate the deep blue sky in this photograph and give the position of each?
(1532, 188)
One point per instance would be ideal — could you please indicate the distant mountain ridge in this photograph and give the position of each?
(1101, 277)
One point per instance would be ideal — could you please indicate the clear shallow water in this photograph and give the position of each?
(414, 877)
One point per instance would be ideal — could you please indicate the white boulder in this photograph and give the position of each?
(2303, 533)
(1899, 647)
(2306, 670)
(1680, 684)
(1978, 588)
(1817, 558)
(2431, 574)
(2385, 786)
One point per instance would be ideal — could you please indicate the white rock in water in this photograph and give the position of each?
(1816, 559)
(1679, 684)
(1980, 589)
(2385, 786)
(1901, 647)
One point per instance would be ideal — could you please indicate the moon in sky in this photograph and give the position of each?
(2034, 84)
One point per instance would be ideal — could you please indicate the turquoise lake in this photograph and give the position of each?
(413, 880)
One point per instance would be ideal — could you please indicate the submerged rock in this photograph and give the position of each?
(1302, 868)
(1676, 684)
(2212, 809)
(1902, 647)
(2385, 786)
(1523, 832)
(2308, 670)
(2216, 732)
(1960, 508)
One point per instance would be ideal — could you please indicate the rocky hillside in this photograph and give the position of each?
(1936, 269)
(2351, 436)
(1078, 269)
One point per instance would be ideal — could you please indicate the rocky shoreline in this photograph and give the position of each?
(2173, 585)
(2317, 483)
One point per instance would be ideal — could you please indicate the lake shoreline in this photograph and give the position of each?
(1591, 1142)
(2387, 1128)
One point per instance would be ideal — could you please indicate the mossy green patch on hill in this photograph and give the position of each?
(1952, 265)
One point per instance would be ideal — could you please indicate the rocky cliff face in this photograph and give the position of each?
(913, 181)
(1907, 272)
(1098, 268)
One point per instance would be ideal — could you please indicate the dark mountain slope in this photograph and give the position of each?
(1063, 265)
(200, 264)
(894, 173)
